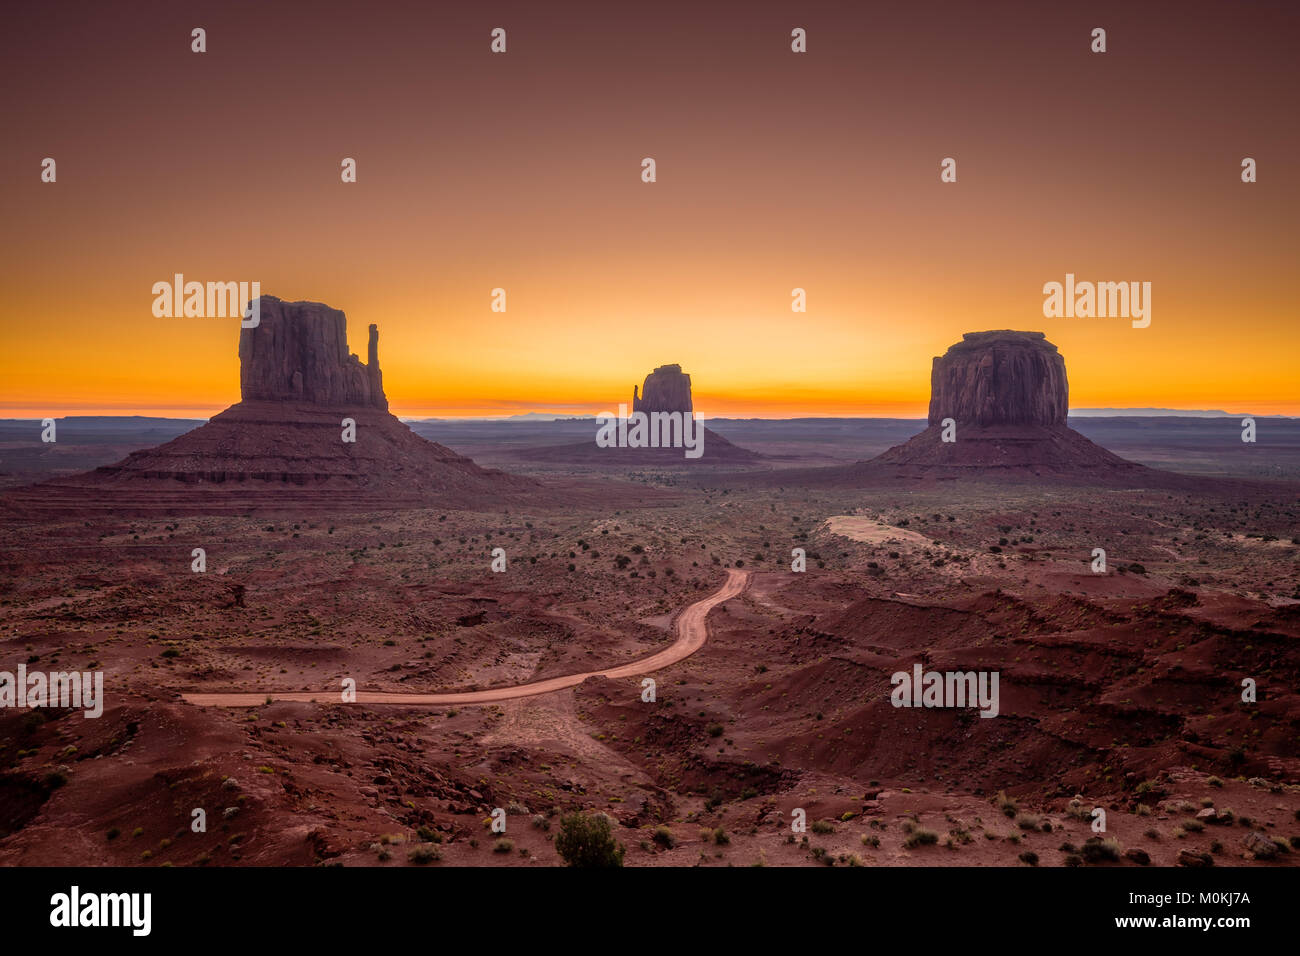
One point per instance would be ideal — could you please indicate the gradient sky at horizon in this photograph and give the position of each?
(775, 170)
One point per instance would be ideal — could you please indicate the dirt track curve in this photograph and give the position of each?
(692, 631)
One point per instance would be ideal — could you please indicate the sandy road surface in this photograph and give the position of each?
(691, 635)
(859, 528)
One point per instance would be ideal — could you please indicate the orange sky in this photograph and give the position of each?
(775, 170)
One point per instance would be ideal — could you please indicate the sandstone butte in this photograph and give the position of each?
(666, 389)
(282, 443)
(1008, 396)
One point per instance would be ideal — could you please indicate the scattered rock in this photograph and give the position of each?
(1261, 845)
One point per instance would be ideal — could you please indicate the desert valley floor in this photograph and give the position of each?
(1119, 690)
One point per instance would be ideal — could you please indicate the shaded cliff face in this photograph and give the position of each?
(1000, 378)
(299, 353)
(666, 389)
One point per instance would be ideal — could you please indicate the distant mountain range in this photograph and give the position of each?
(1150, 412)
(139, 421)
(526, 417)
(1074, 413)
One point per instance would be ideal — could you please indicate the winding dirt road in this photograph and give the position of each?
(692, 631)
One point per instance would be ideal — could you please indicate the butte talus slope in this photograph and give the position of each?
(284, 439)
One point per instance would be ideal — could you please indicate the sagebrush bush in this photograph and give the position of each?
(588, 841)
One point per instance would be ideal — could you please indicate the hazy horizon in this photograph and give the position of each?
(541, 417)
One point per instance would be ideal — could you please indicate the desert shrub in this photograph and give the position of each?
(823, 827)
(588, 841)
(1004, 803)
(920, 837)
(503, 845)
(1030, 857)
(424, 853)
(1097, 850)
(1079, 810)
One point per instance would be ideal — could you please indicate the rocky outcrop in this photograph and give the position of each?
(666, 389)
(1000, 378)
(298, 352)
(286, 442)
(1007, 394)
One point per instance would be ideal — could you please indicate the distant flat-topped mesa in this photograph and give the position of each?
(1000, 378)
(299, 353)
(666, 389)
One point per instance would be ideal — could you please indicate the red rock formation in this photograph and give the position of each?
(1008, 394)
(299, 352)
(666, 389)
(284, 441)
(1000, 378)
